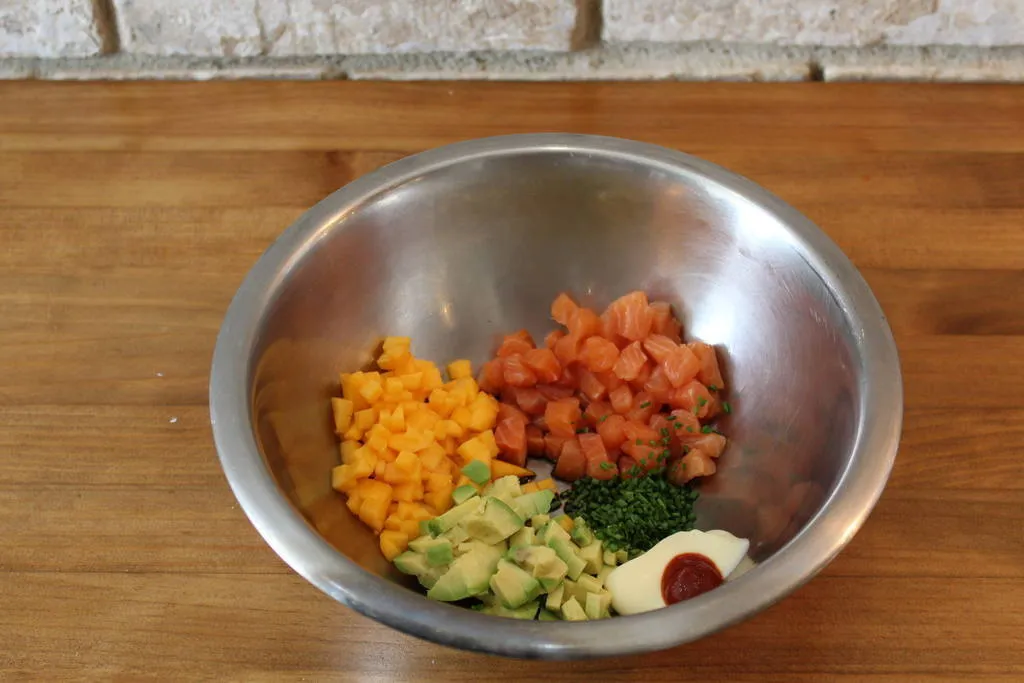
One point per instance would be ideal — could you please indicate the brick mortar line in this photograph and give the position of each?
(631, 61)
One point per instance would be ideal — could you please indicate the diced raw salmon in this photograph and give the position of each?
(554, 392)
(692, 396)
(544, 364)
(584, 323)
(599, 354)
(638, 382)
(694, 464)
(510, 435)
(516, 372)
(529, 400)
(597, 411)
(644, 406)
(612, 430)
(681, 366)
(601, 468)
(712, 444)
(492, 376)
(534, 440)
(658, 347)
(685, 422)
(563, 416)
(610, 327)
(621, 399)
(552, 338)
(591, 387)
(592, 446)
(609, 379)
(658, 386)
(506, 410)
(710, 375)
(626, 465)
(518, 342)
(563, 308)
(567, 349)
(643, 444)
(635, 317)
(553, 446)
(630, 361)
(570, 377)
(664, 323)
(571, 464)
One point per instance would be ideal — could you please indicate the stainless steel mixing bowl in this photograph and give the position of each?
(457, 245)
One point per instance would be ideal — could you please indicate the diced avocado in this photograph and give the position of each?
(440, 555)
(553, 530)
(548, 615)
(468, 575)
(581, 533)
(420, 544)
(571, 611)
(543, 564)
(477, 471)
(412, 562)
(428, 579)
(538, 521)
(496, 522)
(472, 544)
(622, 556)
(589, 584)
(602, 575)
(593, 606)
(554, 599)
(523, 537)
(513, 586)
(505, 488)
(463, 493)
(567, 552)
(526, 612)
(441, 524)
(536, 503)
(606, 601)
(608, 557)
(457, 534)
(591, 554)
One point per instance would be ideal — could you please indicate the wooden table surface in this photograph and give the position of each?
(129, 214)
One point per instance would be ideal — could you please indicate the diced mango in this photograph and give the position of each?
(373, 511)
(393, 543)
(432, 456)
(348, 449)
(500, 468)
(565, 521)
(410, 492)
(343, 409)
(411, 381)
(439, 500)
(343, 478)
(475, 449)
(487, 437)
(369, 488)
(394, 421)
(436, 481)
(364, 419)
(548, 484)
(380, 469)
(353, 502)
(459, 369)
(411, 527)
(462, 417)
(526, 488)
(354, 433)
(371, 390)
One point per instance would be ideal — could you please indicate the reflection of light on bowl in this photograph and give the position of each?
(456, 246)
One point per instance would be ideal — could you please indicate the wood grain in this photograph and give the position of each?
(129, 213)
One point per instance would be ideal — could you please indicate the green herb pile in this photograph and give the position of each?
(632, 514)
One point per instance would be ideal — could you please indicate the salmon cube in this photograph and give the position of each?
(517, 373)
(563, 308)
(599, 354)
(571, 464)
(709, 373)
(680, 366)
(563, 417)
(612, 430)
(630, 361)
(621, 399)
(516, 343)
(544, 364)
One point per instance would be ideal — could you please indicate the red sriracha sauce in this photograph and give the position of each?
(687, 576)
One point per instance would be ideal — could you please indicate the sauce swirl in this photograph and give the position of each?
(687, 576)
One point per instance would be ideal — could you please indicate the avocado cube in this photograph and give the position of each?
(622, 556)
(513, 586)
(431, 576)
(593, 606)
(412, 563)
(571, 611)
(591, 554)
(554, 600)
(608, 557)
(467, 576)
(456, 535)
(440, 555)
(581, 533)
(463, 493)
(441, 524)
(553, 530)
(568, 553)
(421, 544)
(602, 575)
(588, 584)
(548, 615)
(526, 612)
(494, 523)
(506, 488)
(538, 521)
(521, 538)
(478, 471)
(543, 564)
(536, 503)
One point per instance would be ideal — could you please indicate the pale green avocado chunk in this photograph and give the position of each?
(494, 523)
(553, 530)
(456, 535)
(548, 615)
(593, 608)
(543, 564)
(441, 524)
(536, 503)
(526, 612)
(591, 554)
(581, 533)
(421, 544)
(513, 586)
(568, 553)
(468, 575)
(477, 471)
(609, 558)
(412, 563)
(440, 555)
(463, 493)
(554, 600)
(538, 521)
(428, 579)
(523, 537)
(571, 611)
(506, 488)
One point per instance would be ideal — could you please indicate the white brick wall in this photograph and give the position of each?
(47, 28)
(241, 28)
(818, 22)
